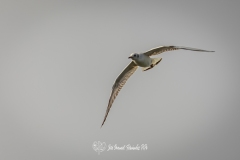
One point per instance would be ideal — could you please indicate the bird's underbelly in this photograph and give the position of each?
(143, 63)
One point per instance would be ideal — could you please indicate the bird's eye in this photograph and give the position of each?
(134, 55)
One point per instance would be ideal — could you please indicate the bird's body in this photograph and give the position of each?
(142, 60)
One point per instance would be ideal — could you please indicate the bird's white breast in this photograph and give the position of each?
(143, 61)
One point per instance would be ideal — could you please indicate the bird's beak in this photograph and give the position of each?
(130, 57)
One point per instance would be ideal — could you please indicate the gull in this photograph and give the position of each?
(140, 60)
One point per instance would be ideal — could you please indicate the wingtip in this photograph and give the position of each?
(190, 48)
(210, 51)
(102, 124)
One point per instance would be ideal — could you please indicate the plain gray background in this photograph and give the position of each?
(59, 59)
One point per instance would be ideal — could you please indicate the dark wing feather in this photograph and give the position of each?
(119, 83)
(162, 49)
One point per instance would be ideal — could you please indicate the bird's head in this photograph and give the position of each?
(134, 56)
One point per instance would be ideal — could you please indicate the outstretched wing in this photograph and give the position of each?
(119, 83)
(162, 49)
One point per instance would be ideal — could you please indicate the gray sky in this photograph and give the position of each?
(58, 61)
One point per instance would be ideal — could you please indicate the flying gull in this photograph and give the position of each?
(142, 60)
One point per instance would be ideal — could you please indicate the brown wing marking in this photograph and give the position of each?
(162, 49)
(119, 83)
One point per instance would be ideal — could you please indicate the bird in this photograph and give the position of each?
(145, 61)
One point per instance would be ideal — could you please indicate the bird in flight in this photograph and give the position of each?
(140, 60)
